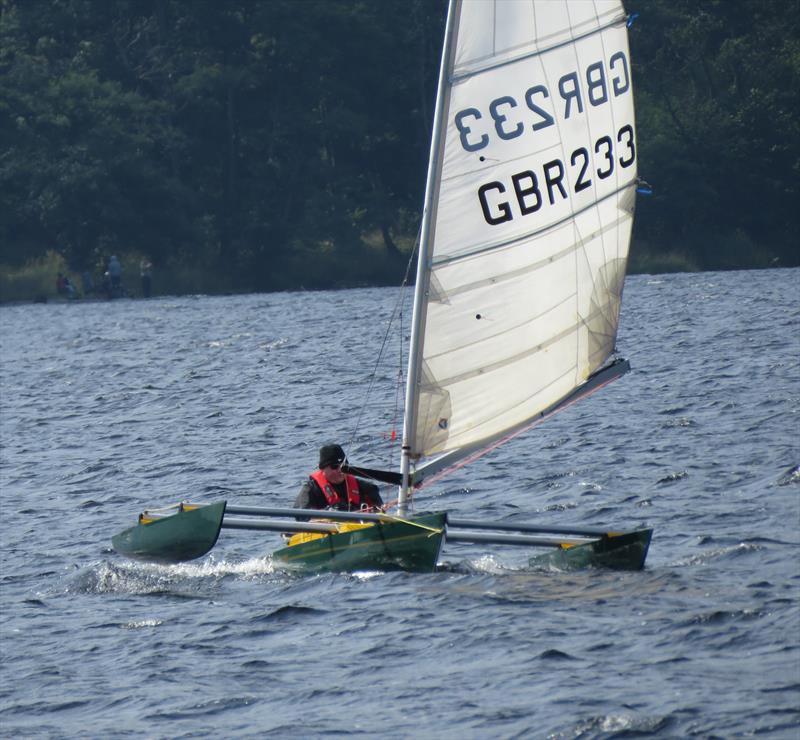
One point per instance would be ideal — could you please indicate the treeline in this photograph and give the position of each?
(268, 144)
(718, 116)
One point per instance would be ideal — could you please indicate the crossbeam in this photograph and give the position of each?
(524, 527)
(456, 523)
(279, 525)
(491, 538)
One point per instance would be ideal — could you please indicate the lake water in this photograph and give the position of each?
(107, 408)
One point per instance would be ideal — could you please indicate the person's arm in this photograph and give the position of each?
(371, 493)
(310, 497)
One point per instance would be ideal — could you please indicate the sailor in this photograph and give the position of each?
(331, 488)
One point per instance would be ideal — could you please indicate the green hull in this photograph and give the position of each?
(412, 545)
(186, 535)
(624, 551)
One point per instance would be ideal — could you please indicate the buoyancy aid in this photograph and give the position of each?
(332, 495)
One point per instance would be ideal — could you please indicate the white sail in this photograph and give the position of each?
(528, 218)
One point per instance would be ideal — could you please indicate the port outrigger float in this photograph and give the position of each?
(348, 542)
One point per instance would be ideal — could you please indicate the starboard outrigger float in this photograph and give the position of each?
(525, 232)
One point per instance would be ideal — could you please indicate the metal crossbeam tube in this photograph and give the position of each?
(279, 525)
(523, 527)
(515, 539)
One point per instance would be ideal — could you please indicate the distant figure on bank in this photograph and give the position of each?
(87, 282)
(64, 286)
(146, 273)
(330, 488)
(115, 276)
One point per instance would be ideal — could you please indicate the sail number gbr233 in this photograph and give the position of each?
(527, 191)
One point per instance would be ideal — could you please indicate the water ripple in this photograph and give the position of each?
(108, 408)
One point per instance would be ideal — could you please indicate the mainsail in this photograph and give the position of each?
(527, 221)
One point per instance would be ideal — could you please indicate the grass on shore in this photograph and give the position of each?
(646, 262)
(35, 280)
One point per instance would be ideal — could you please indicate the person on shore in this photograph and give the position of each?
(331, 488)
(87, 282)
(115, 277)
(64, 286)
(146, 273)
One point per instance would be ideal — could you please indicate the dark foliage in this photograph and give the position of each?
(719, 128)
(273, 142)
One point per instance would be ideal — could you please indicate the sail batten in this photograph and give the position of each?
(506, 28)
(461, 76)
(435, 467)
(501, 362)
(528, 217)
(436, 262)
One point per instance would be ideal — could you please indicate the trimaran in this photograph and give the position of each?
(525, 231)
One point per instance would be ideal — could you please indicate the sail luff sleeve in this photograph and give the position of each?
(423, 260)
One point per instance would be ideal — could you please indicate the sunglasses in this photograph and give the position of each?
(334, 466)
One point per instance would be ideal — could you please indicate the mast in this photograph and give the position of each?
(423, 258)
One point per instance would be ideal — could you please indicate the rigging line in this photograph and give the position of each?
(398, 388)
(391, 518)
(395, 311)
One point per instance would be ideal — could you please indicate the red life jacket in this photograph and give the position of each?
(332, 495)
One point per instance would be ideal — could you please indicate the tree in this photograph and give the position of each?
(719, 129)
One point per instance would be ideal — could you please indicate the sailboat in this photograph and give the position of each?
(526, 225)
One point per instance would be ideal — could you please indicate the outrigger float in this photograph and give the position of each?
(348, 542)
